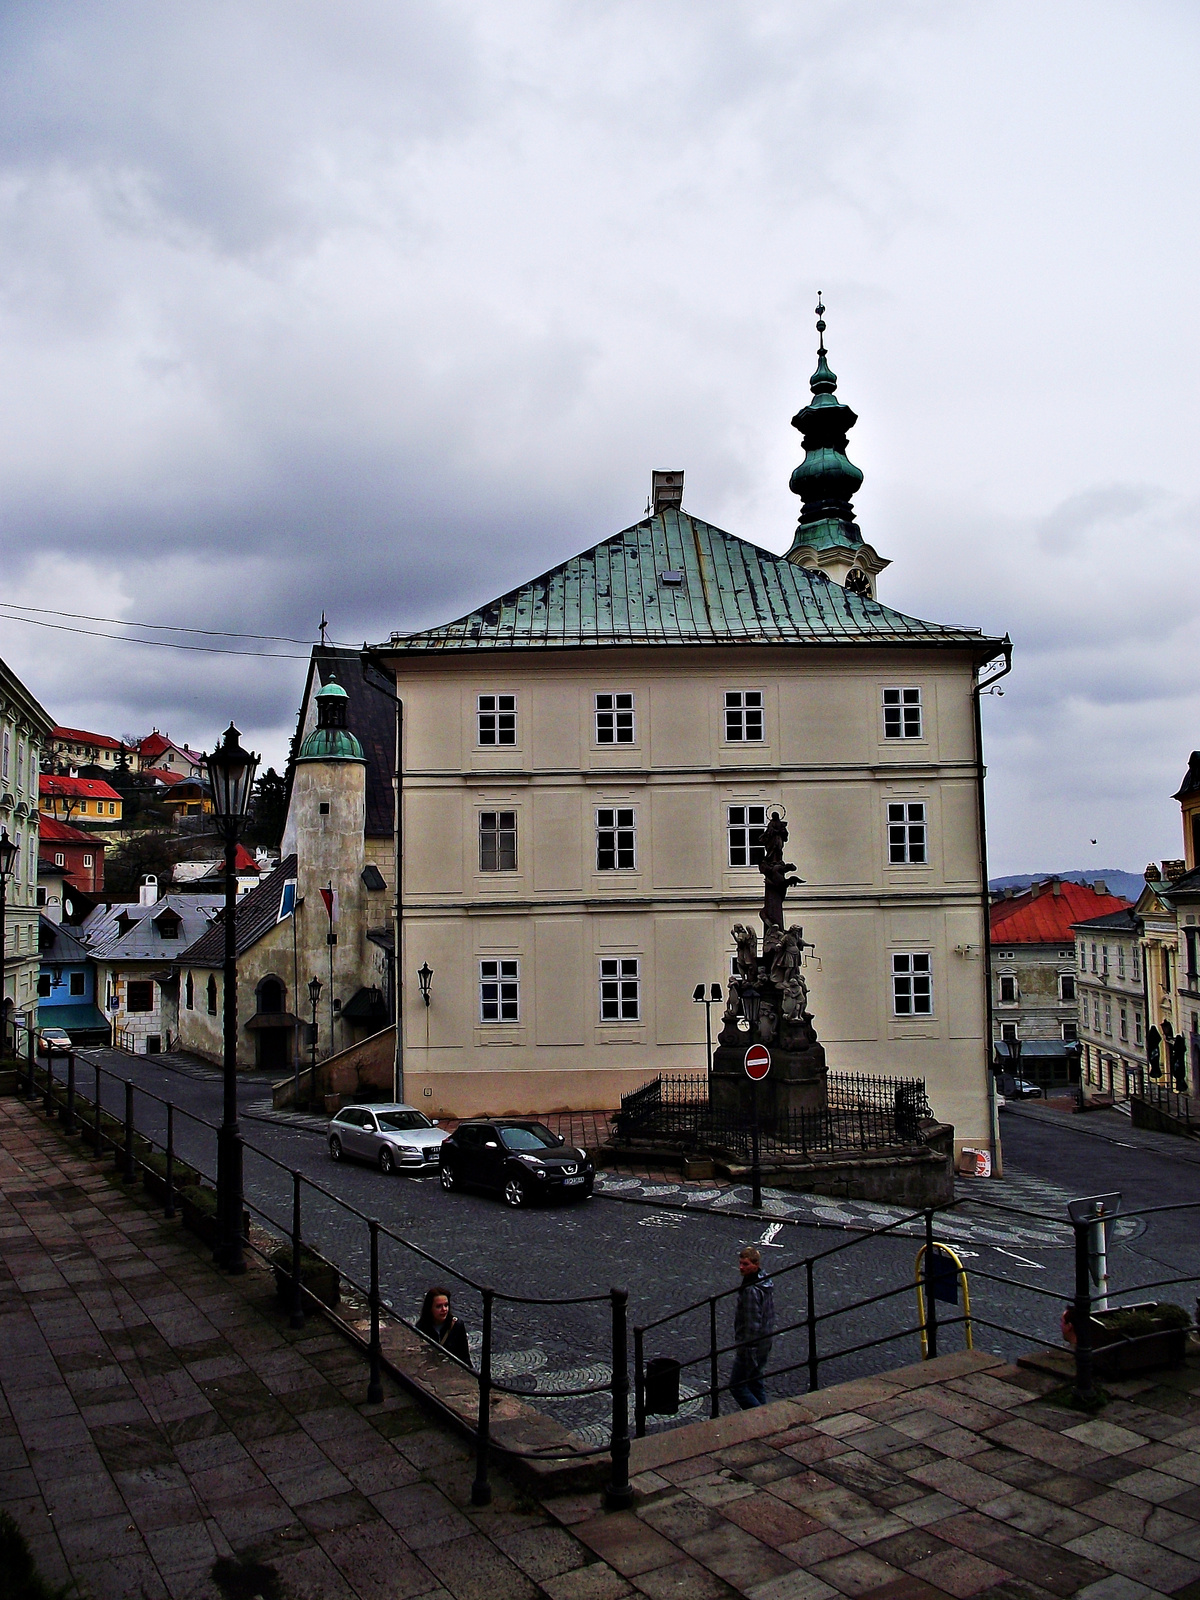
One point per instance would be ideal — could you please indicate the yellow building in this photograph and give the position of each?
(587, 764)
(80, 802)
(1169, 911)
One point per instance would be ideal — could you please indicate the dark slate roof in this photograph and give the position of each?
(732, 592)
(1191, 780)
(257, 913)
(371, 717)
(59, 943)
(1126, 921)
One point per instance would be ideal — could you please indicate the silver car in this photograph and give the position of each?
(390, 1137)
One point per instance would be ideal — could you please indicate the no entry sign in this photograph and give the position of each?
(758, 1062)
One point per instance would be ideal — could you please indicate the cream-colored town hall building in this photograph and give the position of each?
(585, 765)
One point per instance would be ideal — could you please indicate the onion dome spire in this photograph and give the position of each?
(827, 480)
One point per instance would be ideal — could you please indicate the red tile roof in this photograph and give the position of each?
(83, 788)
(82, 736)
(52, 831)
(1046, 917)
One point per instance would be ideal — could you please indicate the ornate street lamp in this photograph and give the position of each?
(314, 994)
(8, 858)
(425, 979)
(231, 777)
(708, 1001)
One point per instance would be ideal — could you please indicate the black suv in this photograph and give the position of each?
(523, 1161)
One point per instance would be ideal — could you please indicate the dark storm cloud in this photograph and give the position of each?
(380, 309)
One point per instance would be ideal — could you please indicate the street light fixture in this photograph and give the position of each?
(708, 1001)
(231, 777)
(314, 994)
(8, 858)
(425, 979)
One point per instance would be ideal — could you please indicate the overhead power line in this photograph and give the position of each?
(10, 611)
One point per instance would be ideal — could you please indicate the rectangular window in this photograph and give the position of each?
(1108, 1018)
(902, 714)
(616, 839)
(1095, 1014)
(1124, 1026)
(500, 991)
(614, 719)
(44, 986)
(497, 841)
(1120, 961)
(1066, 986)
(1069, 1032)
(912, 985)
(6, 755)
(60, 860)
(139, 996)
(744, 716)
(745, 827)
(1104, 959)
(621, 989)
(1137, 1027)
(1008, 989)
(87, 861)
(78, 983)
(906, 833)
(1008, 1031)
(497, 719)
(1082, 956)
(1095, 968)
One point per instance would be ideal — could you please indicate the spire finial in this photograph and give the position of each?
(324, 626)
(820, 325)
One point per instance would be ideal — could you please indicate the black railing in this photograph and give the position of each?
(863, 1112)
(1171, 1102)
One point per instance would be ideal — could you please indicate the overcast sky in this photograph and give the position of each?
(382, 308)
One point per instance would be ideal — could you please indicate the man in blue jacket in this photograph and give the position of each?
(753, 1326)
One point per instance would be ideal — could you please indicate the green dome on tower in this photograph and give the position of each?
(331, 740)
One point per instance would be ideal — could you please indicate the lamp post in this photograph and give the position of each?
(708, 1001)
(8, 856)
(231, 776)
(314, 995)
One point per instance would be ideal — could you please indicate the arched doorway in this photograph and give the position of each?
(273, 1038)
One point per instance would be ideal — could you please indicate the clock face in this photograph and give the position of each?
(857, 581)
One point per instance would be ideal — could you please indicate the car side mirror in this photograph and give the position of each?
(436, 1123)
(559, 1139)
(491, 1144)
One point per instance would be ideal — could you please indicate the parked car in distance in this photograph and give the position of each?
(519, 1159)
(1018, 1088)
(52, 1039)
(391, 1136)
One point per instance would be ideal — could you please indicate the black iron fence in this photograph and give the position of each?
(863, 1112)
(1171, 1102)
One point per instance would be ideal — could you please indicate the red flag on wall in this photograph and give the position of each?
(330, 897)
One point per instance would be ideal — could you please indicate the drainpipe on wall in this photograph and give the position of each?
(398, 868)
(982, 686)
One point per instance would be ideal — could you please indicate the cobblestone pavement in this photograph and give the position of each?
(161, 1429)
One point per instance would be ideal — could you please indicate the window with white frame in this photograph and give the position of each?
(912, 984)
(1104, 960)
(1082, 956)
(1008, 1032)
(60, 860)
(1137, 1027)
(500, 990)
(744, 825)
(1095, 1014)
(1108, 1018)
(744, 716)
(620, 989)
(902, 714)
(1066, 986)
(497, 718)
(614, 719)
(6, 755)
(1120, 961)
(1124, 1026)
(17, 859)
(616, 839)
(87, 861)
(906, 833)
(497, 841)
(1095, 968)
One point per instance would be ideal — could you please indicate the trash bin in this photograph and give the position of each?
(662, 1386)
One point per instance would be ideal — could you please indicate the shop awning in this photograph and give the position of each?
(75, 1019)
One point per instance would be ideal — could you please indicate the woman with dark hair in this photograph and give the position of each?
(438, 1322)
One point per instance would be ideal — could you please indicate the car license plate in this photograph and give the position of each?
(567, 1181)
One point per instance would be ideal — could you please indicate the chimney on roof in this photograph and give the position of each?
(1173, 869)
(1152, 874)
(1099, 887)
(1035, 890)
(1058, 886)
(666, 491)
(1009, 892)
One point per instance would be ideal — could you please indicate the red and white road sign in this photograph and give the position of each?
(758, 1062)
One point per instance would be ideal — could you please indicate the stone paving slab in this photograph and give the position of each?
(158, 1419)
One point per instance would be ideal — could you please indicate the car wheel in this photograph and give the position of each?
(514, 1192)
(335, 1147)
(447, 1177)
(387, 1162)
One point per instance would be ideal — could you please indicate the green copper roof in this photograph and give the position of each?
(331, 744)
(826, 480)
(729, 592)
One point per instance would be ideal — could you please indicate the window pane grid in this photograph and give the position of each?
(497, 841)
(906, 833)
(902, 714)
(744, 716)
(745, 826)
(614, 719)
(621, 989)
(616, 839)
(497, 715)
(912, 985)
(500, 991)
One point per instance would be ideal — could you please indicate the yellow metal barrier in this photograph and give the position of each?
(961, 1272)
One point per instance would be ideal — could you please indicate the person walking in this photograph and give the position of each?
(438, 1322)
(753, 1326)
